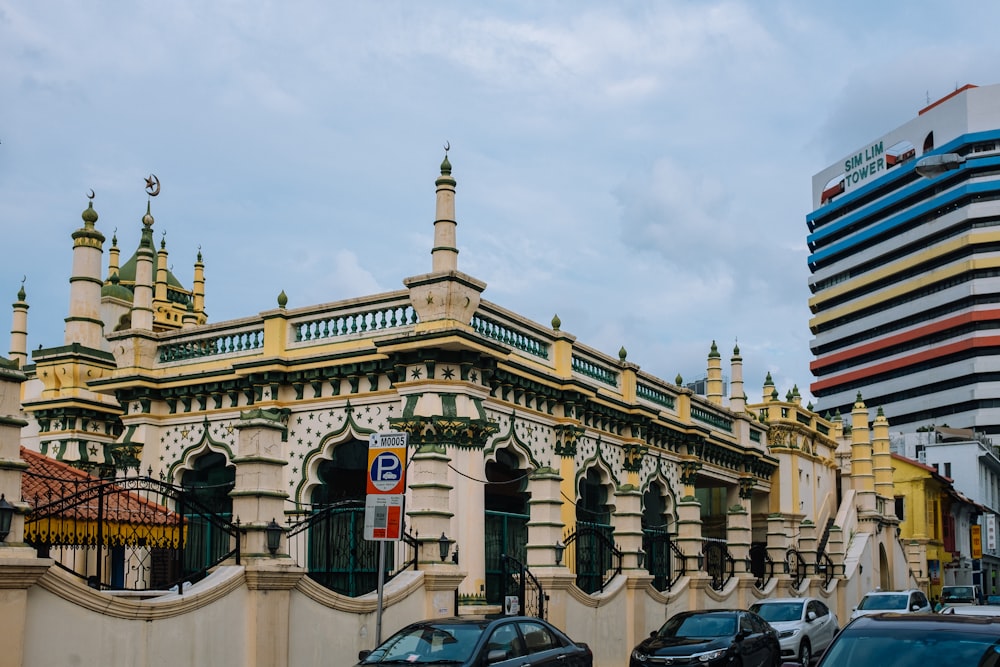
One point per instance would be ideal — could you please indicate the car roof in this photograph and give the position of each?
(770, 600)
(472, 619)
(886, 621)
(907, 591)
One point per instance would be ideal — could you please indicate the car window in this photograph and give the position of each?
(884, 602)
(506, 638)
(818, 608)
(746, 625)
(537, 637)
(700, 625)
(777, 612)
(439, 642)
(920, 599)
(757, 624)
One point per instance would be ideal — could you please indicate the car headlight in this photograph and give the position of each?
(710, 655)
(639, 656)
(784, 634)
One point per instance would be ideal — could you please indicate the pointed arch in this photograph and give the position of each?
(188, 456)
(323, 451)
(511, 440)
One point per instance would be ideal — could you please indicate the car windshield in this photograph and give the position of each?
(884, 602)
(958, 594)
(428, 643)
(700, 625)
(914, 647)
(776, 612)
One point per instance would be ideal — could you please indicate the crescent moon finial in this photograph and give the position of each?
(447, 146)
(25, 277)
(152, 185)
(90, 194)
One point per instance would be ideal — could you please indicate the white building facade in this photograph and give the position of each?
(903, 278)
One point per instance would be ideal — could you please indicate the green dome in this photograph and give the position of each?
(116, 290)
(126, 273)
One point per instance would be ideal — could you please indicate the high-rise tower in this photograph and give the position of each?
(905, 268)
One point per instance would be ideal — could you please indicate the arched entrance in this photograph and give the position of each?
(339, 557)
(208, 481)
(594, 540)
(506, 503)
(656, 534)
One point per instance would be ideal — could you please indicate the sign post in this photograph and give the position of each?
(386, 489)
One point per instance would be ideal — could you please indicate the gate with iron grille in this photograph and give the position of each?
(126, 533)
(522, 584)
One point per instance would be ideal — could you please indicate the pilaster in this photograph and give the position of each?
(627, 521)
(258, 494)
(545, 525)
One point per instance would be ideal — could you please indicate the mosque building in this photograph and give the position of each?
(611, 498)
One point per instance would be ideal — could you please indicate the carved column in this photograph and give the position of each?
(258, 494)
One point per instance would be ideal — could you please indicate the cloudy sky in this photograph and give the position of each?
(641, 169)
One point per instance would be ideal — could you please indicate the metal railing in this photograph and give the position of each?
(127, 533)
(329, 544)
(719, 563)
(592, 555)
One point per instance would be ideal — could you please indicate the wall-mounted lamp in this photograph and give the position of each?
(701, 560)
(861, 568)
(788, 567)
(443, 545)
(6, 516)
(640, 558)
(560, 548)
(273, 534)
(454, 555)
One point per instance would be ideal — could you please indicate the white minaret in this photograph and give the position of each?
(84, 325)
(19, 330)
(444, 254)
(737, 396)
(142, 305)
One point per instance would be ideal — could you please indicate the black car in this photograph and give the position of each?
(727, 637)
(480, 640)
(889, 639)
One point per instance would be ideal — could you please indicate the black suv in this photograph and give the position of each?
(906, 640)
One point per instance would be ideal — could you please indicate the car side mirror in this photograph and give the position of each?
(363, 654)
(653, 633)
(496, 655)
(811, 616)
(915, 607)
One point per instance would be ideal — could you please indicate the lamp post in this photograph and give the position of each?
(6, 516)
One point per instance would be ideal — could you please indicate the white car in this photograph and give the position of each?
(911, 601)
(973, 610)
(805, 626)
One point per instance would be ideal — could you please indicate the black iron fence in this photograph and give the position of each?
(128, 533)
(520, 583)
(592, 555)
(329, 542)
(761, 565)
(796, 566)
(664, 560)
(719, 563)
